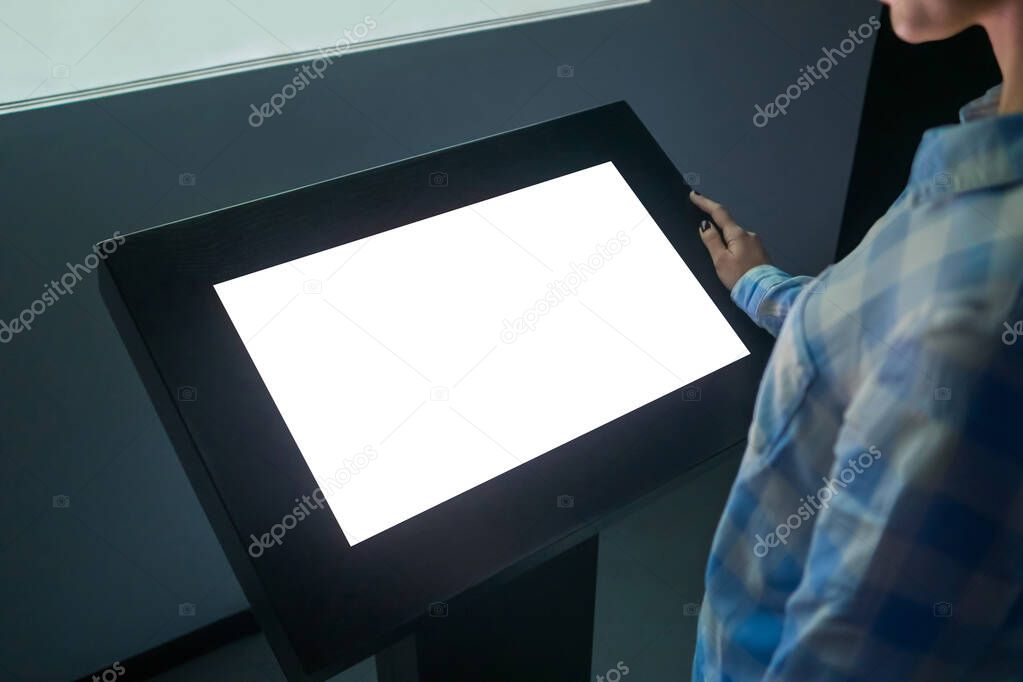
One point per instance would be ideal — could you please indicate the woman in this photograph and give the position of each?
(875, 529)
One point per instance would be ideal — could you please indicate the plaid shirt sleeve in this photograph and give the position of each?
(897, 382)
(766, 294)
(913, 570)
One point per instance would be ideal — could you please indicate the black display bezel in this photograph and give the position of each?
(325, 605)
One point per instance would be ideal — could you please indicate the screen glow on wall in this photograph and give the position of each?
(56, 51)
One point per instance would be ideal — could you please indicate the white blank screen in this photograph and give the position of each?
(460, 346)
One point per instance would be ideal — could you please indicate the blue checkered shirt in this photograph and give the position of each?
(875, 529)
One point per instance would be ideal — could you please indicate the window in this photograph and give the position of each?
(61, 50)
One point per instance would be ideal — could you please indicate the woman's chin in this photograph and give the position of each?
(914, 21)
(910, 34)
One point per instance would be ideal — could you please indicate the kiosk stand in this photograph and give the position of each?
(447, 558)
(538, 626)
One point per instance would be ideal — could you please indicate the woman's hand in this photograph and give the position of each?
(732, 249)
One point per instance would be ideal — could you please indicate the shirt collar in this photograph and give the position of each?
(984, 151)
(982, 107)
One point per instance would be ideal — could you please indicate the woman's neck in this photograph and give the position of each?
(1004, 27)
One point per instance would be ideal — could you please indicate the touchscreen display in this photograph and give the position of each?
(415, 364)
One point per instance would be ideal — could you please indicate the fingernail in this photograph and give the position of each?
(704, 225)
(697, 193)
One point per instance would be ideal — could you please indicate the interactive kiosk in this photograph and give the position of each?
(408, 398)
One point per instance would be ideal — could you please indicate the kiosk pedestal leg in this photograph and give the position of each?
(539, 626)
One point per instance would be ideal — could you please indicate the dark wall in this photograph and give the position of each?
(102, 578)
